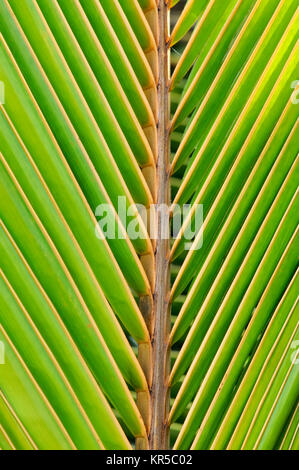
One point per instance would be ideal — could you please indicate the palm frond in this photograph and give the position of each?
(124, 341)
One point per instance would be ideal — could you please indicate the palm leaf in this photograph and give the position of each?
(128, 341)
(240, 132)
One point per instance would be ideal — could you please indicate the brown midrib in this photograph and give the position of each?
(158, 433)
